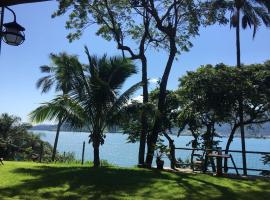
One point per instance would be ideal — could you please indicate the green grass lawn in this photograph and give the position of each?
(24, 180)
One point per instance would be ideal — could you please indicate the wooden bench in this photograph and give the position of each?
(219, 157)
(1, 161)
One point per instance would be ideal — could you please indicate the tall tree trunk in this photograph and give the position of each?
(241, 113)
(96, 144)
(172, 150)
(96, 155)
(56, 139)
(151, 143)
(209, 144)
(143, 116)
(230, 139)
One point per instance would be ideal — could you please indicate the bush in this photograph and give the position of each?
(66, 157)
(16, 143)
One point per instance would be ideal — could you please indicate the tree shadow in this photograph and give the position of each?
(116, 183)
(202, 186)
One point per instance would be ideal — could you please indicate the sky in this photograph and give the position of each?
(19, 66)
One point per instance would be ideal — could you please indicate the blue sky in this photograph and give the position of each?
(19, 66)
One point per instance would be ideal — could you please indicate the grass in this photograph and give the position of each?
(25, 180)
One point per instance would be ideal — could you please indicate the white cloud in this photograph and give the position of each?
(138, 98)
(153, 80)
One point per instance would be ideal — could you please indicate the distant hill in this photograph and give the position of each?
(223, 130)
(254, 131)
(44, 127)
(67, 128)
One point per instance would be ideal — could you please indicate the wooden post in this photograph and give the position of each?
(219, 162)
(83, 152)
(64, 159)
(41, 152)
(234, 165)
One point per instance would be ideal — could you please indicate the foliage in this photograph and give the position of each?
(183, 163)
(93, 97)
(130, 114)
(122, 20)
(97, 90)
(67, 157)
(16, 143)
(266, 161)
(209, 96)
(202, 104)
(58, 75)
(253, 12)
(129, 119)
(61, 107)
(167, 25)
(161, 150)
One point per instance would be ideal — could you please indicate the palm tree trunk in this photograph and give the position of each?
(96, 145)
(241, 114)
(143, 116)
(56, 139)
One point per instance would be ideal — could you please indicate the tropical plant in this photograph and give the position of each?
(210, 97)
(94, 99)
(61, 109)
(115, 23)
(96, 93)
(131, 114)
(204, 103)
(168, 18)
(168, 26)
(58, 75)
(16, 143)
(252, 13)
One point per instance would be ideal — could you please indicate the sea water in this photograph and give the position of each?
(117, 151)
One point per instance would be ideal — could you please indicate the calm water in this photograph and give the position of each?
(117, 151)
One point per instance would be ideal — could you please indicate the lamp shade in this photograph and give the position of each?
(13, 34)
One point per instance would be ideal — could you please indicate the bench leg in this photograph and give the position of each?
(234, 165)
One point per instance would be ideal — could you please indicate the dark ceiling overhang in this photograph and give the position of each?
(16, 2)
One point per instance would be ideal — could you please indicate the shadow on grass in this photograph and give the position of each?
(119, 183)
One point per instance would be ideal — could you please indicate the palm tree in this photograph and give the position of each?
(58, 75)
(252, 13)
(62, 109)
(97, 90)
(94, 100)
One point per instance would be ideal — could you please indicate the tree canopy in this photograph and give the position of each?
(210, 95)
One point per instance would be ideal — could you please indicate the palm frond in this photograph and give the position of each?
(61, 108)
(123, 100)
(45, 69)
(45, 83)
